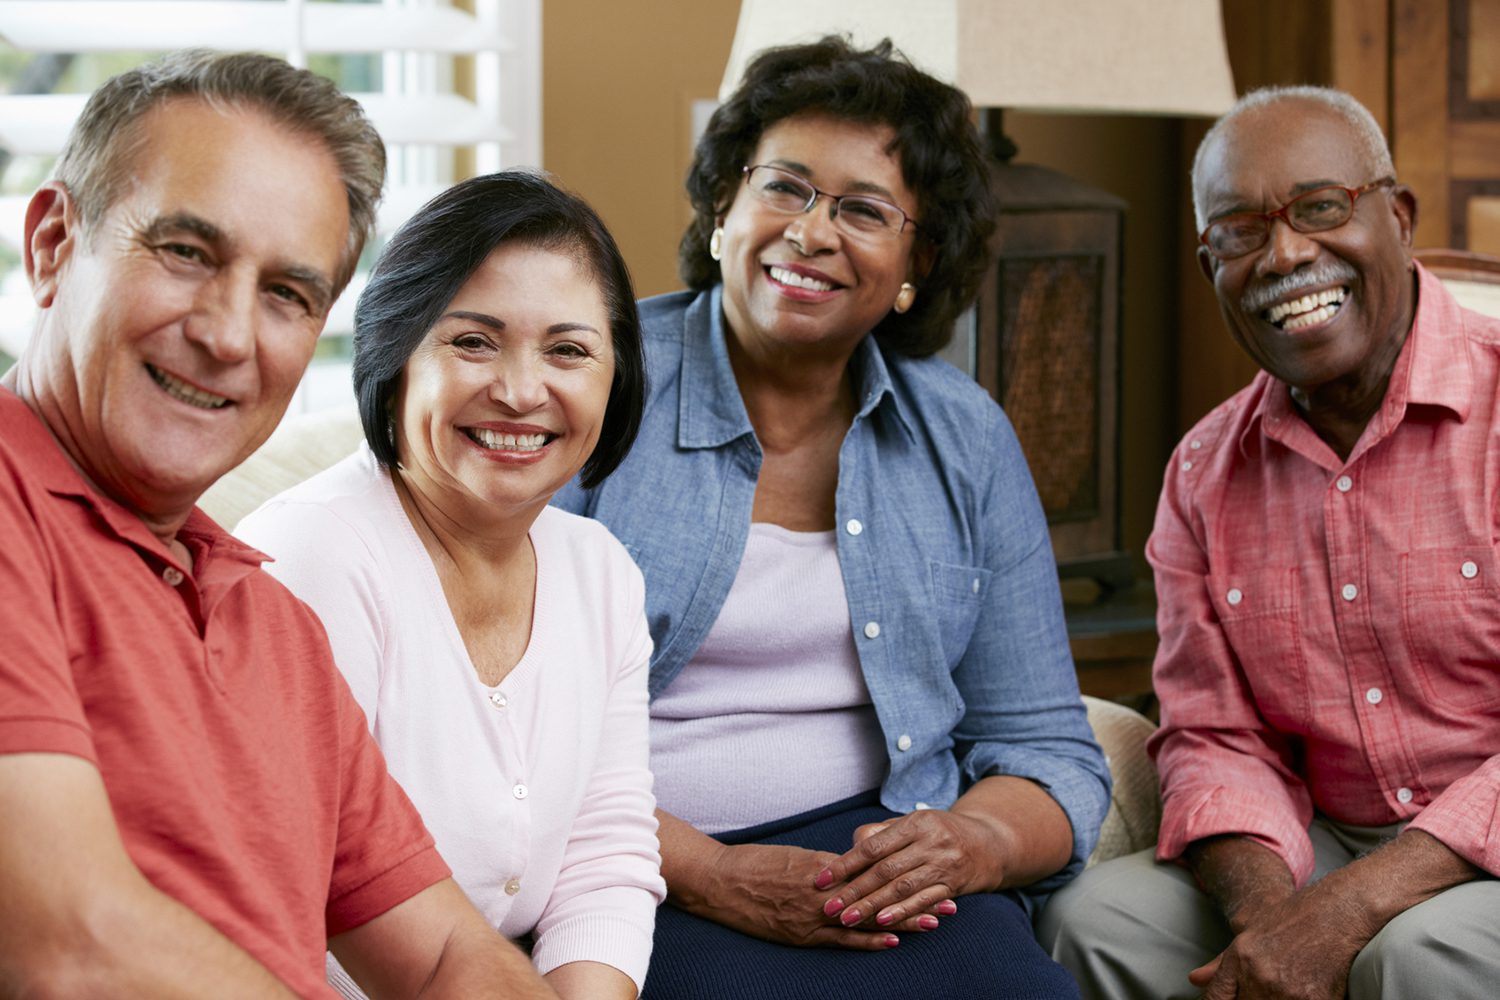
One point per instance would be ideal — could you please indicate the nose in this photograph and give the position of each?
(814, 231)
(519, 383)
(223, 321)
(1285, 250)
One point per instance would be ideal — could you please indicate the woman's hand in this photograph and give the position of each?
(904, 870)
(767, 891)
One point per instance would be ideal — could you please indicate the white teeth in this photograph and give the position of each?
(507, 442)
(1308, 319)
(1306, 304)
(786, 277)
(178, 389)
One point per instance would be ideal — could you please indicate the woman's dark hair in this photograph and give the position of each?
(942, 162)
(436, 251)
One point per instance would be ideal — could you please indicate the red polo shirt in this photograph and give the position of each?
(239, 767)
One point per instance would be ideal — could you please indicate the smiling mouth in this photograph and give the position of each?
(1310, 309)
(496, 441)
(795, 280)
(191, 395)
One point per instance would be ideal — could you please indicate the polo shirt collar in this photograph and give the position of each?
(711, 411)
(49, 464)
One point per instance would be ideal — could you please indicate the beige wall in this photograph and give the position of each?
(619, 80)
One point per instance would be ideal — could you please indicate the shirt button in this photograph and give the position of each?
(903, 742)
(1403, 795)
(872, 630)
(1195, 445)
(1234, 596)
(172, 575)
(1350, 591)
(498, 699)
(976, 585)
(923, 805)
(520, 791)
(1344, 484)
(1374, 695)
(512, 886)
(854, 527)
(1469, 569)
(1187, 466)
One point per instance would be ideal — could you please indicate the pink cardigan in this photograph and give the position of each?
(537, 791)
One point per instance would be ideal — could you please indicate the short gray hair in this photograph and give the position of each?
(97, 156)
(1376, 152)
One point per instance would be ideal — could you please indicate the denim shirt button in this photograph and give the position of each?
(854, 527)
(872, 630)
(903, 742)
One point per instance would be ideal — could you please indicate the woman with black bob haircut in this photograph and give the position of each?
(865, 725)
(496, 644)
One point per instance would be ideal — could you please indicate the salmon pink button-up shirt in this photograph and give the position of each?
(1330, 630)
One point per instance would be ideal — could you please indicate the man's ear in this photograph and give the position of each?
(1404, 205)
(1206, 263)
(51, 236)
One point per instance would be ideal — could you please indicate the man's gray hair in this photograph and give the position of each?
(101, 150)
(1376, 152)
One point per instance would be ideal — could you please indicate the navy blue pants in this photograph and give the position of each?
(986, 951)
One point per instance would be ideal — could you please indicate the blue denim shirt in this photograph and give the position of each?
(946, 561)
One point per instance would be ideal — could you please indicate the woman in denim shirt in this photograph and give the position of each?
(866, 728)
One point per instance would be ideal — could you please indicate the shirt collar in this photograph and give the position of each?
(712, 413)
(1433, 369)
(51, 469)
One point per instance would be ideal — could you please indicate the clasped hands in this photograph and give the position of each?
(900, 875)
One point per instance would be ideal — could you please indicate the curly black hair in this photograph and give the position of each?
(942, 161)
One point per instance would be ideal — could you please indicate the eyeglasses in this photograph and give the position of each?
(1315, 211)
(857, 215)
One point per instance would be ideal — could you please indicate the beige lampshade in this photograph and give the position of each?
(1122, 56)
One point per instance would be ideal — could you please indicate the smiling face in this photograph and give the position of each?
(503, 400)
(174, 331)
(799, 282)
(1316, 310)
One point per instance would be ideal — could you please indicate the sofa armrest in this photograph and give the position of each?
(1135, 808)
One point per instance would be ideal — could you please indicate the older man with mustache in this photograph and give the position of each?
(1325, 558)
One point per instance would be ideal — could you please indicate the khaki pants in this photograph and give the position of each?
(1132, 929)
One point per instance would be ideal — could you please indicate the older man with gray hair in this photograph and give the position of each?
(1325, 559)
(192, 804)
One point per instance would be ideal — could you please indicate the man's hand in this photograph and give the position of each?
(1302, 944)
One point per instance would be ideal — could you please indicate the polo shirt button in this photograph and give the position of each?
(172, 575)
(1374, 695)
(512, 886)
(1350, 591)
(1344, 484)
(1403, 795)
(903, 742)
(872, 630)
(498, 699)
(1234, 596)
(854, 527)
(1469, 569)
(520, 791)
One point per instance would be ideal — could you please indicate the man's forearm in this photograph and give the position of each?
(1400, 874)
(1242, 876)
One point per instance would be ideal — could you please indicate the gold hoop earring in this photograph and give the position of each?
(716, 243)
(905, 297)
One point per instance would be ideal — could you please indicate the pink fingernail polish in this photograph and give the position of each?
(884, 918)
(927, 922)
(832, 906)
(947, 907)
(891, 940)
(850, 918)
(824, 879)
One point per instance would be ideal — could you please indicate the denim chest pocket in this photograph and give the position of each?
(1260, 613)
(958, 593)
(1450, 613)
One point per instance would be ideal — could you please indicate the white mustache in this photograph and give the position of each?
(1327, 273)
